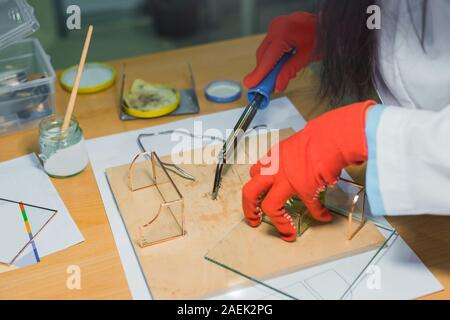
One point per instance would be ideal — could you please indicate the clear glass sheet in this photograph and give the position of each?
(18, 229)
(321, 264)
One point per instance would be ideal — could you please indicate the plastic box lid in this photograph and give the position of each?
(17, 21)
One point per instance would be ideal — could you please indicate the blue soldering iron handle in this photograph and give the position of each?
(266, 86)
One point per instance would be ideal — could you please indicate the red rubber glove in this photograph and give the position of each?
(297, 30)
(304, 164)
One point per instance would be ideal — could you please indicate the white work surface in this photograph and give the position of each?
(401, 274)
(23, 179)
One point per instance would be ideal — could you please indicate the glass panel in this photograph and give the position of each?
(322, 264)
(340, 199)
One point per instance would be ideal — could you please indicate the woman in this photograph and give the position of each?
(405, 140)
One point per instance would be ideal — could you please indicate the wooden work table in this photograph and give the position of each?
(102, 275)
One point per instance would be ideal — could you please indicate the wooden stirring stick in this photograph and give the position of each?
(73, 94)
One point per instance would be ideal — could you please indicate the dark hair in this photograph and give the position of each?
(348, 48)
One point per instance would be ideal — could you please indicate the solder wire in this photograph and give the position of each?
(177, 169)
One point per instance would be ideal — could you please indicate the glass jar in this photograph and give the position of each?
(63, 153)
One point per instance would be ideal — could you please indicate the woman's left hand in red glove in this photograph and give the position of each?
(304, 164)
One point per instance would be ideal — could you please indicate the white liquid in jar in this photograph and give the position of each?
(67, 161)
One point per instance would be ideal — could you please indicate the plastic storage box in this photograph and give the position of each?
(27, 79)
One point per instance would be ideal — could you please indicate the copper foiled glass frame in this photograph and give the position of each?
(166, 205)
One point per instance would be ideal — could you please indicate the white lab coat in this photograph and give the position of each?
(413, 133)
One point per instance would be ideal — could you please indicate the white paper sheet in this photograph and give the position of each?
(403, 275)
(23, 179)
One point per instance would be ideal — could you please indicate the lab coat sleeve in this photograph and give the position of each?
(408, 168)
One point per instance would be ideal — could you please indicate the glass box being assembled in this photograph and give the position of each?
(348, 199)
